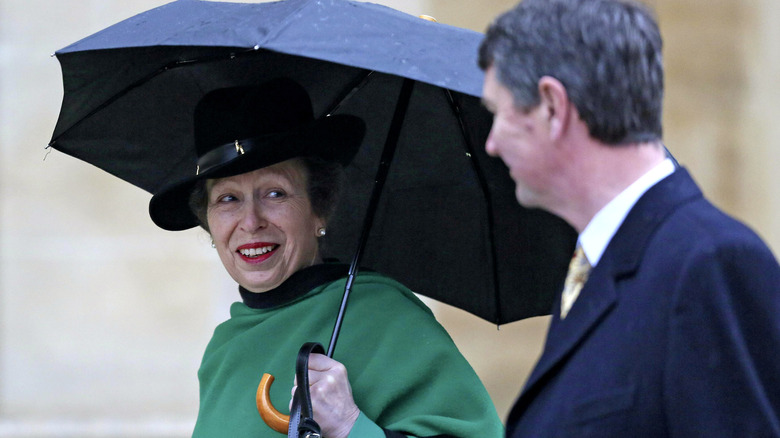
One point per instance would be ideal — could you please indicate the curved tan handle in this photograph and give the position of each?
(273, 418)
(427, 17)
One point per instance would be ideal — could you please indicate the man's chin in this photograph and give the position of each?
(525, 199)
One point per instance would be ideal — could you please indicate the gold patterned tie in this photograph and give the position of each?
(575, 280)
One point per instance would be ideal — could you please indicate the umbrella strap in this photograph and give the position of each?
(302, 424)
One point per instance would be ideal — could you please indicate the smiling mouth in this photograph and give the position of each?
(253, 253)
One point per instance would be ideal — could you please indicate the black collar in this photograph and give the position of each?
(295, 286)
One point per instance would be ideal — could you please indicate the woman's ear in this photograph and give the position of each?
(320, 229)
(556, 105)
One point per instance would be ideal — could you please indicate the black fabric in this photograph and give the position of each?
(295, 286)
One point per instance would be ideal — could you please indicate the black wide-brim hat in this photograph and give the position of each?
(242, 129)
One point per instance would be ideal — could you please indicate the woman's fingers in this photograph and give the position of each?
(331, 396)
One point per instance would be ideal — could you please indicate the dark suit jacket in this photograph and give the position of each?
(675, 334)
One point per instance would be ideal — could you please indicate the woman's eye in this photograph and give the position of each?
(226, 198)
(276, 194)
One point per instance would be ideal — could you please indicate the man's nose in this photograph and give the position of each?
(490, 144)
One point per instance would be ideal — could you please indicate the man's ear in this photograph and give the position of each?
(555, 102)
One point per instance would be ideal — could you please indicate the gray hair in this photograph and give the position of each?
(607, 53)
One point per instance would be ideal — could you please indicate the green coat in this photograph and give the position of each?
(406, 373)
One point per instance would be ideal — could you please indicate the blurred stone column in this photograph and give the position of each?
(759, 120)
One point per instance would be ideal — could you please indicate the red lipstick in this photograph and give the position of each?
(256, 252)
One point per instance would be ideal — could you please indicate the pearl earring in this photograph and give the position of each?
(321, 231)
(213, 245)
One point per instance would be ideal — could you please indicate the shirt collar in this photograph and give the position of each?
(599, 231)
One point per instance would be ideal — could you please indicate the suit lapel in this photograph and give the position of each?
(600, 294)
(596, 299)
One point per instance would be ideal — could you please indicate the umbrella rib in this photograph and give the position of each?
(470, 152)
(349, 91)
(147, 78)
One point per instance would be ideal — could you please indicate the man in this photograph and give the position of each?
(675, 329)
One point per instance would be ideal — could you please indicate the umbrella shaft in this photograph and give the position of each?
(381, 176)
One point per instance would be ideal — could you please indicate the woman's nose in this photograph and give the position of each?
(253, 217)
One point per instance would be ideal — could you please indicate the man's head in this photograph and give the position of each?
(606, 53)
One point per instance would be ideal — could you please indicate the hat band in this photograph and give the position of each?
(223, 154)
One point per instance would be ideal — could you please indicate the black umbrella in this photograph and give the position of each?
(446, 224)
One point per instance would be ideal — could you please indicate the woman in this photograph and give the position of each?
(264, 188)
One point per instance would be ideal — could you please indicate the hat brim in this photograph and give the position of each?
(334, 138)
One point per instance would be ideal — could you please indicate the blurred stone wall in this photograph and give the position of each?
(103, 317)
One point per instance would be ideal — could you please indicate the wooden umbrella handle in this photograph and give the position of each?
(273, 418)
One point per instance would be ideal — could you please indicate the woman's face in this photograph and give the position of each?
(263, 225)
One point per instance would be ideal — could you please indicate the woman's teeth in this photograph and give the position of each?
(254, 252)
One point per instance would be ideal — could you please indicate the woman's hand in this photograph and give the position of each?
(331, 396)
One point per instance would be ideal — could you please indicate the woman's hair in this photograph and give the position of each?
(325, 179)
(607, 53)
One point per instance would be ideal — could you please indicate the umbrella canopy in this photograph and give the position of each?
(447, 223)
